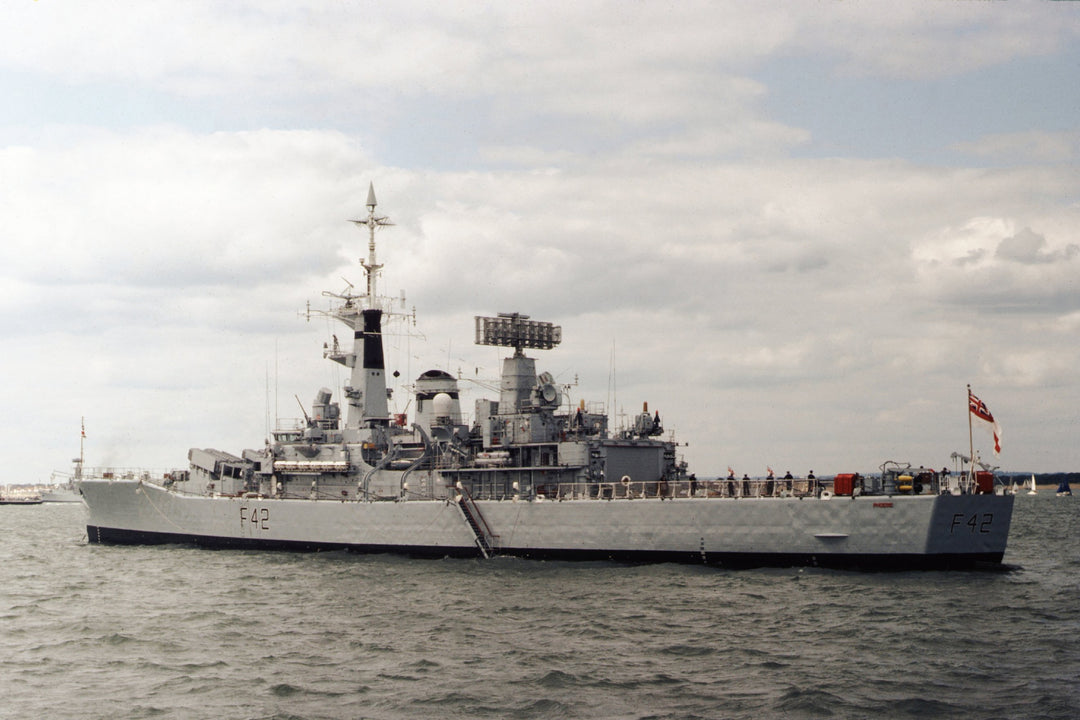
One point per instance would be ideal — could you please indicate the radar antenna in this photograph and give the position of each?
(517, 331)
(372, 221)
(351, 304)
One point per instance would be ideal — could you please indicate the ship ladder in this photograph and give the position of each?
(486, 540)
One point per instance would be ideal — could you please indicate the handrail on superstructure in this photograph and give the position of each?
(728, 488)
(669, 489)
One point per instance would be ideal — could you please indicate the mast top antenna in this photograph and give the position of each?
(372, 221)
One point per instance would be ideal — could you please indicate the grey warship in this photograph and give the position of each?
(531, 476)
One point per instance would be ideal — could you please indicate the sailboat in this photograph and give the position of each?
(1063, 488)
(1033, 491)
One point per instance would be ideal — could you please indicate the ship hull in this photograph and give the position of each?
(62, 495)
(865, 532)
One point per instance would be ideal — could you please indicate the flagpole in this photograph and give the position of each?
(971, 438)
(82, 443)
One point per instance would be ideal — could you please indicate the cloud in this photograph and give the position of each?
(624, 66)
(909, 41)
(203, 47)
(1029, 248)
(989, 266)
(166, 208)
(611, 167)
(1026, 147)
(766, 292)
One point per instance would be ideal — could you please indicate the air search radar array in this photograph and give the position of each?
(517, 331)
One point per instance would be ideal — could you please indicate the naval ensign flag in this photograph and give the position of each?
(978, 408)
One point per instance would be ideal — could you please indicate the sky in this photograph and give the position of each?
(796, 230)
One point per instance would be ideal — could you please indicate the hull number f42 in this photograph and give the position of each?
(254, 518)
(974, 523)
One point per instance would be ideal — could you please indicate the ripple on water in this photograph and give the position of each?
(132, 632)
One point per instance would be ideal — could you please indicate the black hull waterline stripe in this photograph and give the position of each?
(909, 561)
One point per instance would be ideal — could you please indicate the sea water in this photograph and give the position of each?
(91, 631)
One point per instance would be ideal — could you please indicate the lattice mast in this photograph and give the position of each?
(366, 392)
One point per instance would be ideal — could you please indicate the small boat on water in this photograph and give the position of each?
(64, 492)
(64, 487)
(61, 494)
(1032, 490)
(532, 474)
(1063, 489)
(20, 500)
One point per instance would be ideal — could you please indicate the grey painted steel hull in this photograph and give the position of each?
(62, 495)
(866, 532)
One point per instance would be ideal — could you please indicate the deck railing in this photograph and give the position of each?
(125, 473)
(670, 489)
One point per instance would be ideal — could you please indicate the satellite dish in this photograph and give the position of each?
(550, 394)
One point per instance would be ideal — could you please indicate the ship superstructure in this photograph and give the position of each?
(530, 474)
(527, 443)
